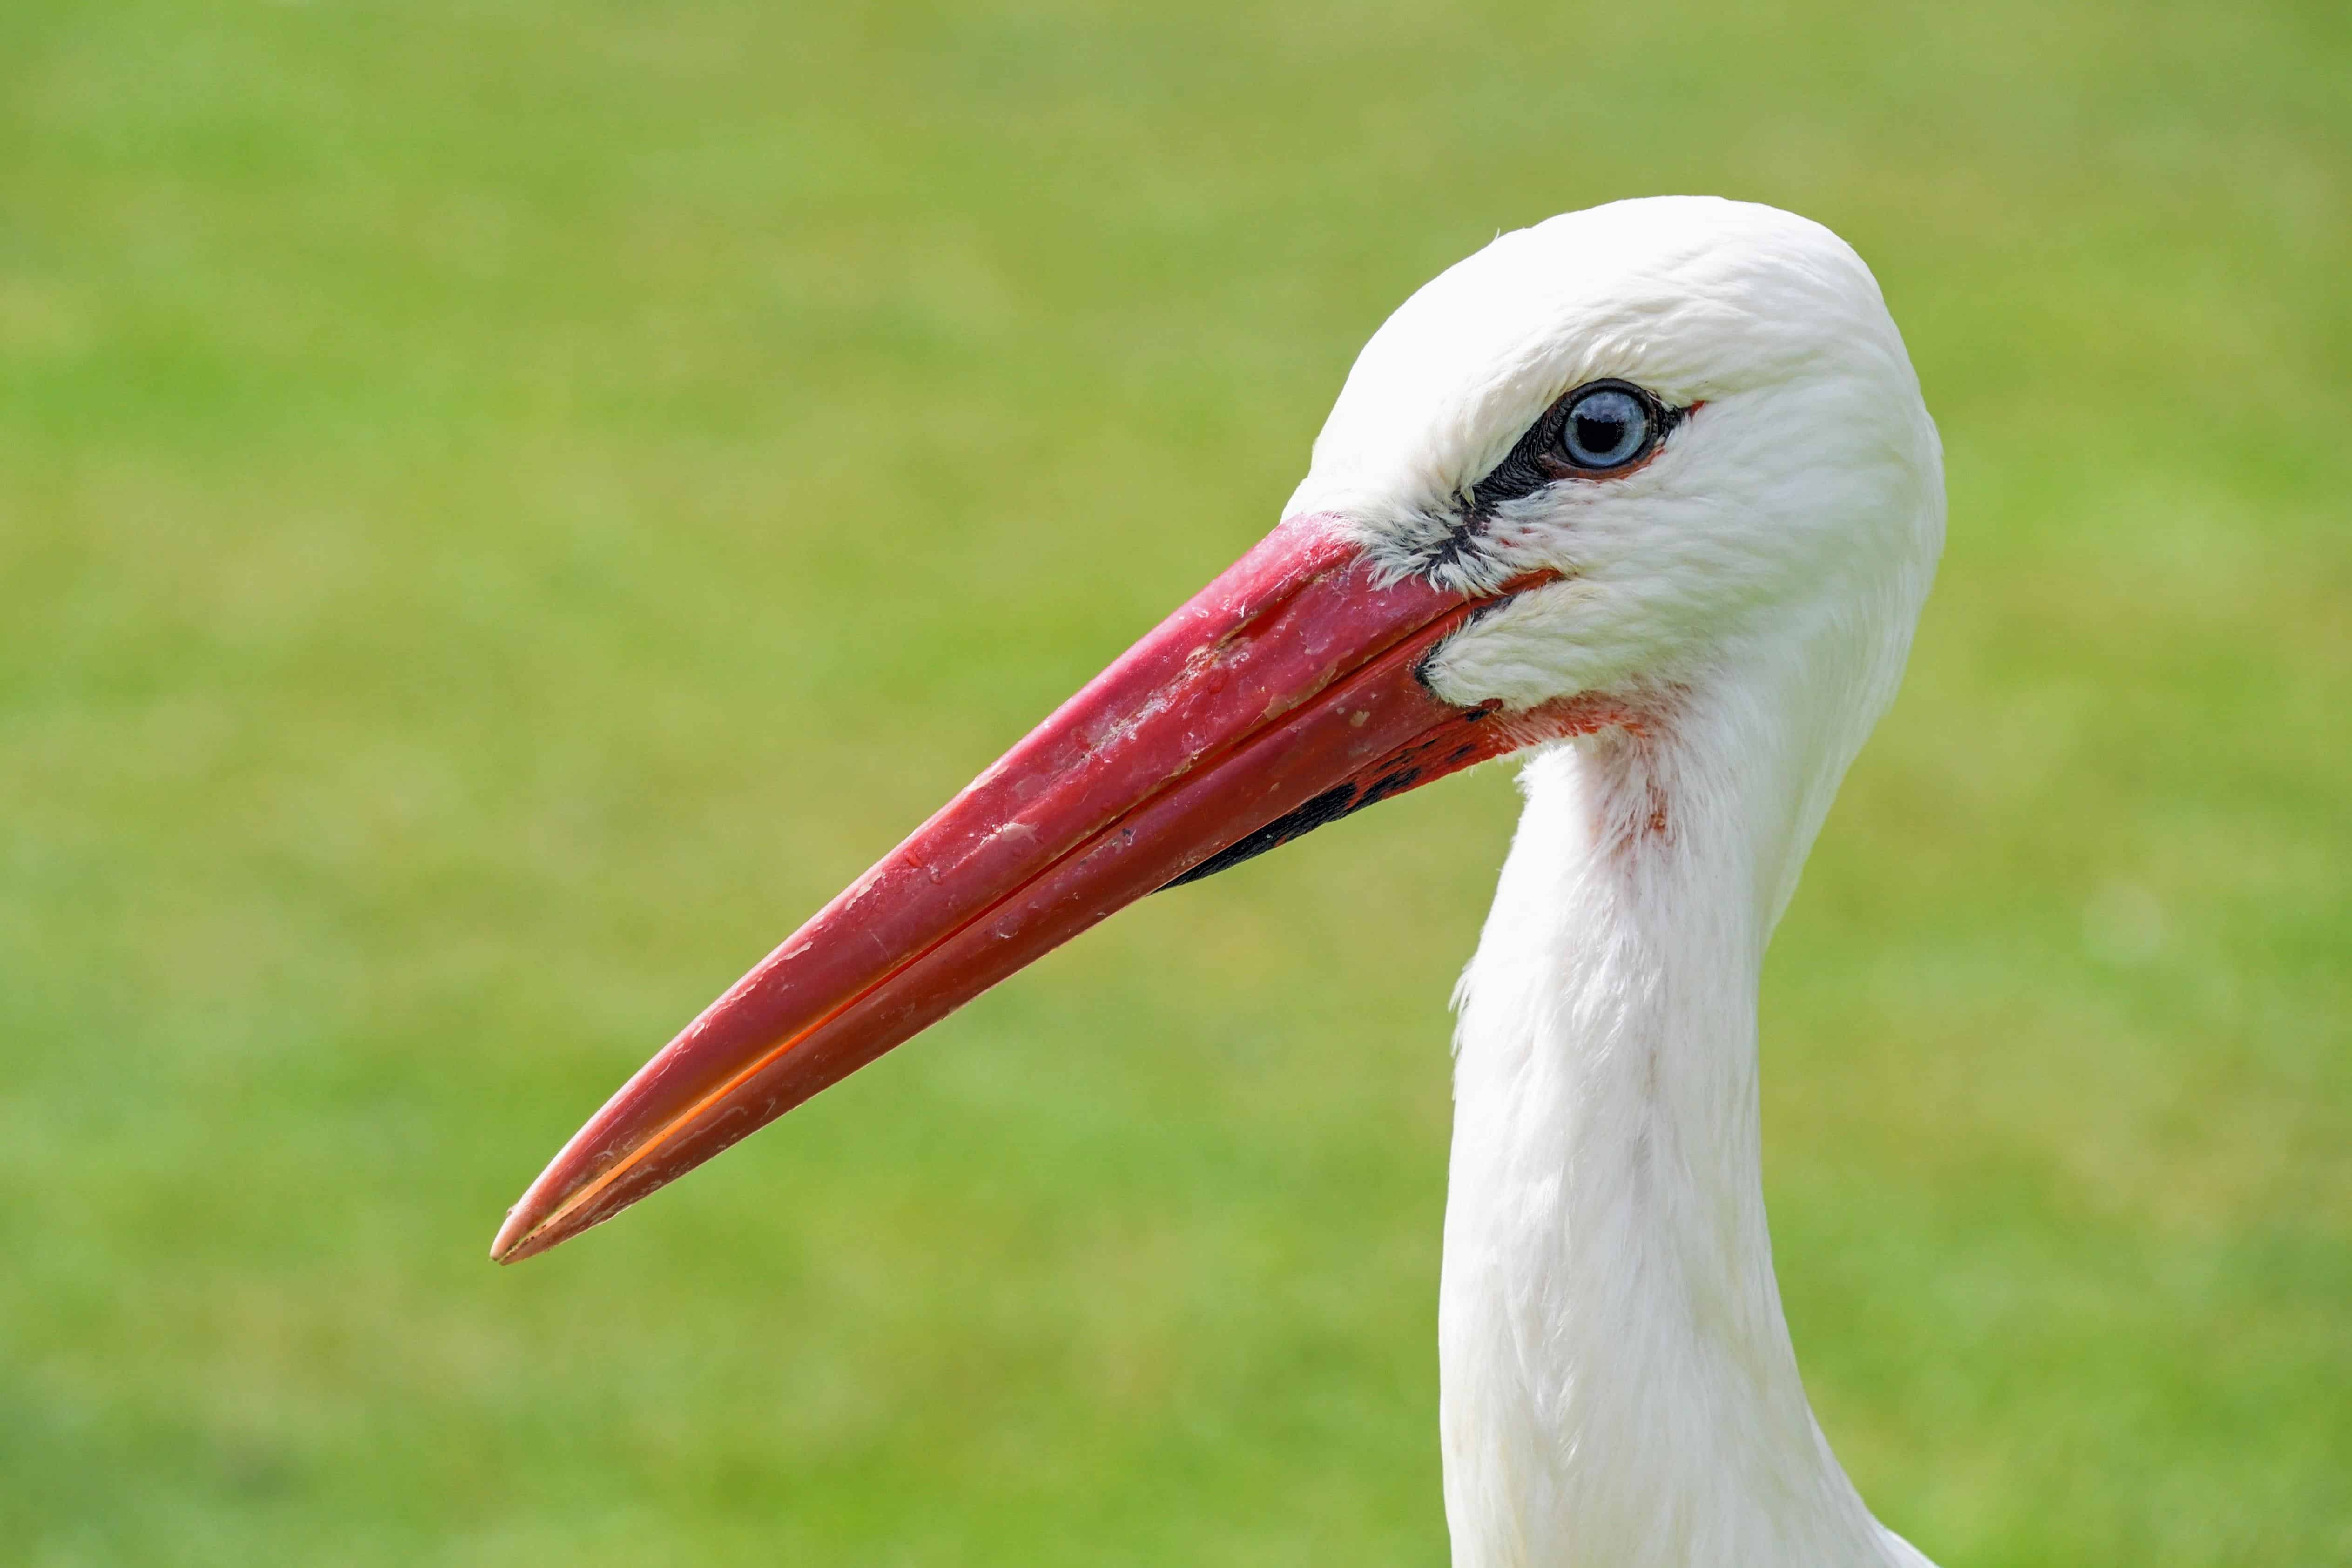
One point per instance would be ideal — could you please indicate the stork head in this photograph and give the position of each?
(1610, 457)
(1696, 414)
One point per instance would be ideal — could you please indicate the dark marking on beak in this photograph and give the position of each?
(1329, 807)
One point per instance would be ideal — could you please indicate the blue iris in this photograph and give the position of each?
(1607, 427)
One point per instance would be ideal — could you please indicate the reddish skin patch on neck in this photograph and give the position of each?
(1642, 722)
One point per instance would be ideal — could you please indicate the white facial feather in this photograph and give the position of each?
(1808, 470)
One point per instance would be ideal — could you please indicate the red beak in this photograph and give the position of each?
(1283, 696)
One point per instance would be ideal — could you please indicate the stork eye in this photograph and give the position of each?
(1607, 426)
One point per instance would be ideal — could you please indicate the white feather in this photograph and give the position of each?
(1619, 1385)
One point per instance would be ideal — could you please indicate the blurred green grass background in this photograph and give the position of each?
(504, 508)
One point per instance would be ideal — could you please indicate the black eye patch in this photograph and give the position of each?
(1597, 431)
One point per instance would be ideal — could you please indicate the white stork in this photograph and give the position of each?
(1648, 492)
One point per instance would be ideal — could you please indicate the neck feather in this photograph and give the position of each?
(1619, 1385)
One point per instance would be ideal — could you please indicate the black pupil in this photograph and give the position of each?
(1604, 429)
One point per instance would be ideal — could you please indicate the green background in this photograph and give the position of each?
(505, 507)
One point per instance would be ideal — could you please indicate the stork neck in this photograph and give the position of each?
(1619, 1385)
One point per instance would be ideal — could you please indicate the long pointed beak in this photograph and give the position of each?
(1284, 695)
